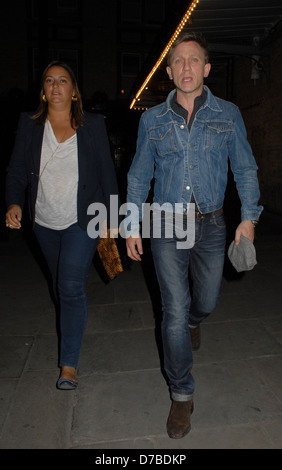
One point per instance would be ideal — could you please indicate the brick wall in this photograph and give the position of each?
(261, 104)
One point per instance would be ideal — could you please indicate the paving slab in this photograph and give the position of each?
(40, 416)
(122, 401)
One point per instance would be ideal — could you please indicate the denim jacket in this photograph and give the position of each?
(196, 162)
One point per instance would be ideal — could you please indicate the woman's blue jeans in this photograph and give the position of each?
(68, 254)
(181, 305)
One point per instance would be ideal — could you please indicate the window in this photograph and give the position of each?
(67, 5)
(131, 37)
(70, 56)
(154, 11)
(130, 64)
(131, 10)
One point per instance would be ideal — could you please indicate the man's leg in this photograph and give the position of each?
(172, 272)
(206, 265)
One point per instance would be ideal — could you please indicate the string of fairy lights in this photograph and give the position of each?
(176, 33)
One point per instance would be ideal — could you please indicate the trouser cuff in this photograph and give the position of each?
(180, 397)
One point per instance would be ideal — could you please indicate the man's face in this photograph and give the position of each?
(188, 68)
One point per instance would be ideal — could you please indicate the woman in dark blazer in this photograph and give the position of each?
(62, 158)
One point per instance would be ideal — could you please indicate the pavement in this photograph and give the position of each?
(122, 401)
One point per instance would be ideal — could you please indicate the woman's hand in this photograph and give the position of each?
(14, 216)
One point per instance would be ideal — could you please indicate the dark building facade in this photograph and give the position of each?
(113, 45)
(106, 45)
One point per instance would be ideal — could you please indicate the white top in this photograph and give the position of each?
(56, 204)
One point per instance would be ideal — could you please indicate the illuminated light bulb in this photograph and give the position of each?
(179, 28)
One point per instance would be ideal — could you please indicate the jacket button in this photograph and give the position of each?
(182, 126)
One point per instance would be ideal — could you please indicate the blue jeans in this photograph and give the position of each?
(68, 254)
(181, 307)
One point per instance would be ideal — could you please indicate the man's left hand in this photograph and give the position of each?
(247, 229)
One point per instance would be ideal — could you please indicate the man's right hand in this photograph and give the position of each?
(134, 247)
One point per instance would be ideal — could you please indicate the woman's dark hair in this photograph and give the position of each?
(76, 106)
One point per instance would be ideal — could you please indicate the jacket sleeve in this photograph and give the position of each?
(139, 177)
(16, 177)
(106, 172)
(244, 168)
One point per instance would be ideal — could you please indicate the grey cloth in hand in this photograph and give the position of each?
(242, 256)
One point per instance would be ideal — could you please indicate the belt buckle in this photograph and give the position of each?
(199, 215)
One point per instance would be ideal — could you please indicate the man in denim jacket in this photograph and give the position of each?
(185, 144)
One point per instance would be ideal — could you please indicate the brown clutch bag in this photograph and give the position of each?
(109, 255)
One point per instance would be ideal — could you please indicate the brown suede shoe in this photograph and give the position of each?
(195, 334)
(178, 422)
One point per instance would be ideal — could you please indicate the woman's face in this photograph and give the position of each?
(58, 87)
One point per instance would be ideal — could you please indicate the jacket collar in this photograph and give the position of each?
(210, 102)
(37, 138)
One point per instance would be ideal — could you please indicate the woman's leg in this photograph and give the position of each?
(50, 244)
(68, 254)
(76, 254)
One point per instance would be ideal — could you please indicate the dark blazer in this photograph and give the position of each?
(97, 179)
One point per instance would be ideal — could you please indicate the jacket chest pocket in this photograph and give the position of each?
(217, 134)
(163, 139)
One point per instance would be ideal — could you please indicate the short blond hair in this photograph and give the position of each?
(198, 38)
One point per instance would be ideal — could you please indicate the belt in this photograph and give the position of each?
(199, 215)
